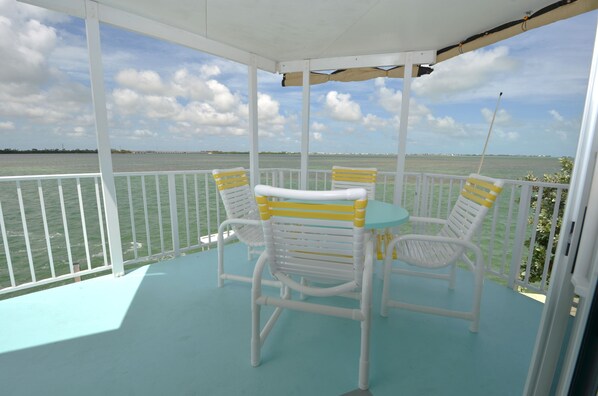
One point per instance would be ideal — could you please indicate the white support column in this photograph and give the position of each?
(404, 122)
(254, 165)
(552, 335)
(96, 74)
(305, 125)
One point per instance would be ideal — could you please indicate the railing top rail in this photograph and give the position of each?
(207, 171)
(50, 177)
(165, 173)
(507, 181)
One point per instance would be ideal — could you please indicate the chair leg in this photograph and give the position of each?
(364, 359)
(452, 276)
(255, 333)
(256, 293)
(477, 297)
(366, 310)
(302, 295)
(386, 284)
(220, 258)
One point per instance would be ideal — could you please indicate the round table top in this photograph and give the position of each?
(380, 214)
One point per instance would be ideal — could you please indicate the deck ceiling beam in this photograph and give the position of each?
(349, 62)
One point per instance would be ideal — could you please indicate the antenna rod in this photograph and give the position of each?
(488, 136)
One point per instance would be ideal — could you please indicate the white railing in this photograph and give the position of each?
(53, 228)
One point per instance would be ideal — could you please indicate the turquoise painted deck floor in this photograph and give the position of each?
(166, 329)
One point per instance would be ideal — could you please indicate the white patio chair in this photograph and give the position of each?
(323, 242)
(343, 178)
(346, 177)
(444, 249)
(242, 216)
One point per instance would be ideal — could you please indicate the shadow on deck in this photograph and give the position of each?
(166, 329)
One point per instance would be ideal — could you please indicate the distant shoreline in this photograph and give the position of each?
(217, 152)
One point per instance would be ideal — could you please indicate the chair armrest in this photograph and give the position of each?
(228, 222)
(240, 221)
(439, 239)
(430, 220)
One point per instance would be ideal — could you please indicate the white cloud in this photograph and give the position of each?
(317, 136)
(197, 113)
(24, 48)
(271, 122)
(139, 134)
(341, 107)
(508, 136)
(388, 98)
(127, 100)
(143, 81)
(373, 122)
(7, 125)
(188, 85)
(222, 98)
(501, 116)
(161, 106)
(461, 75)
(446, 126)
(195, 105)
(318, 127)
(77, 132)
(208, 71)
(31, 87)
(391, 100)
(562, 127)
(556, 115)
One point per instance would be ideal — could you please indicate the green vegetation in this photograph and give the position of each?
(544, 226)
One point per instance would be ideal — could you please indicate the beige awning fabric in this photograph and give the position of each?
(555, 12)
(552, 13)
(357, 74)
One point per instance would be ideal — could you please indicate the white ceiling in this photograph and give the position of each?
(285, 30)
(280, 31)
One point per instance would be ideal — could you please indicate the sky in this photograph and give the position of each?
(165, 97)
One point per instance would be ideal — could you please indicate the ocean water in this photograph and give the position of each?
(509, 167)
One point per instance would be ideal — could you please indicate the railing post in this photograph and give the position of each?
(281, 179)
(174, 220)
(520, 231)
(423, 200)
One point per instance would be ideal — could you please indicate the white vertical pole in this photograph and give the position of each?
(254, 166)
(552, 332)
(305, 126)
(174, 216)
(96, 74)
(404, 122)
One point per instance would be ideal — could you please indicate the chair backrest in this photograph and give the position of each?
(314, 234)
(476, 198)
(239, 202)
(343, 178)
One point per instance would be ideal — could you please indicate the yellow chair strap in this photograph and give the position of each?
(481, 191)
(322, 211)
(227, 180)
(354, 175)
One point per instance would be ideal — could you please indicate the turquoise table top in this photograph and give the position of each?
(380, 214)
